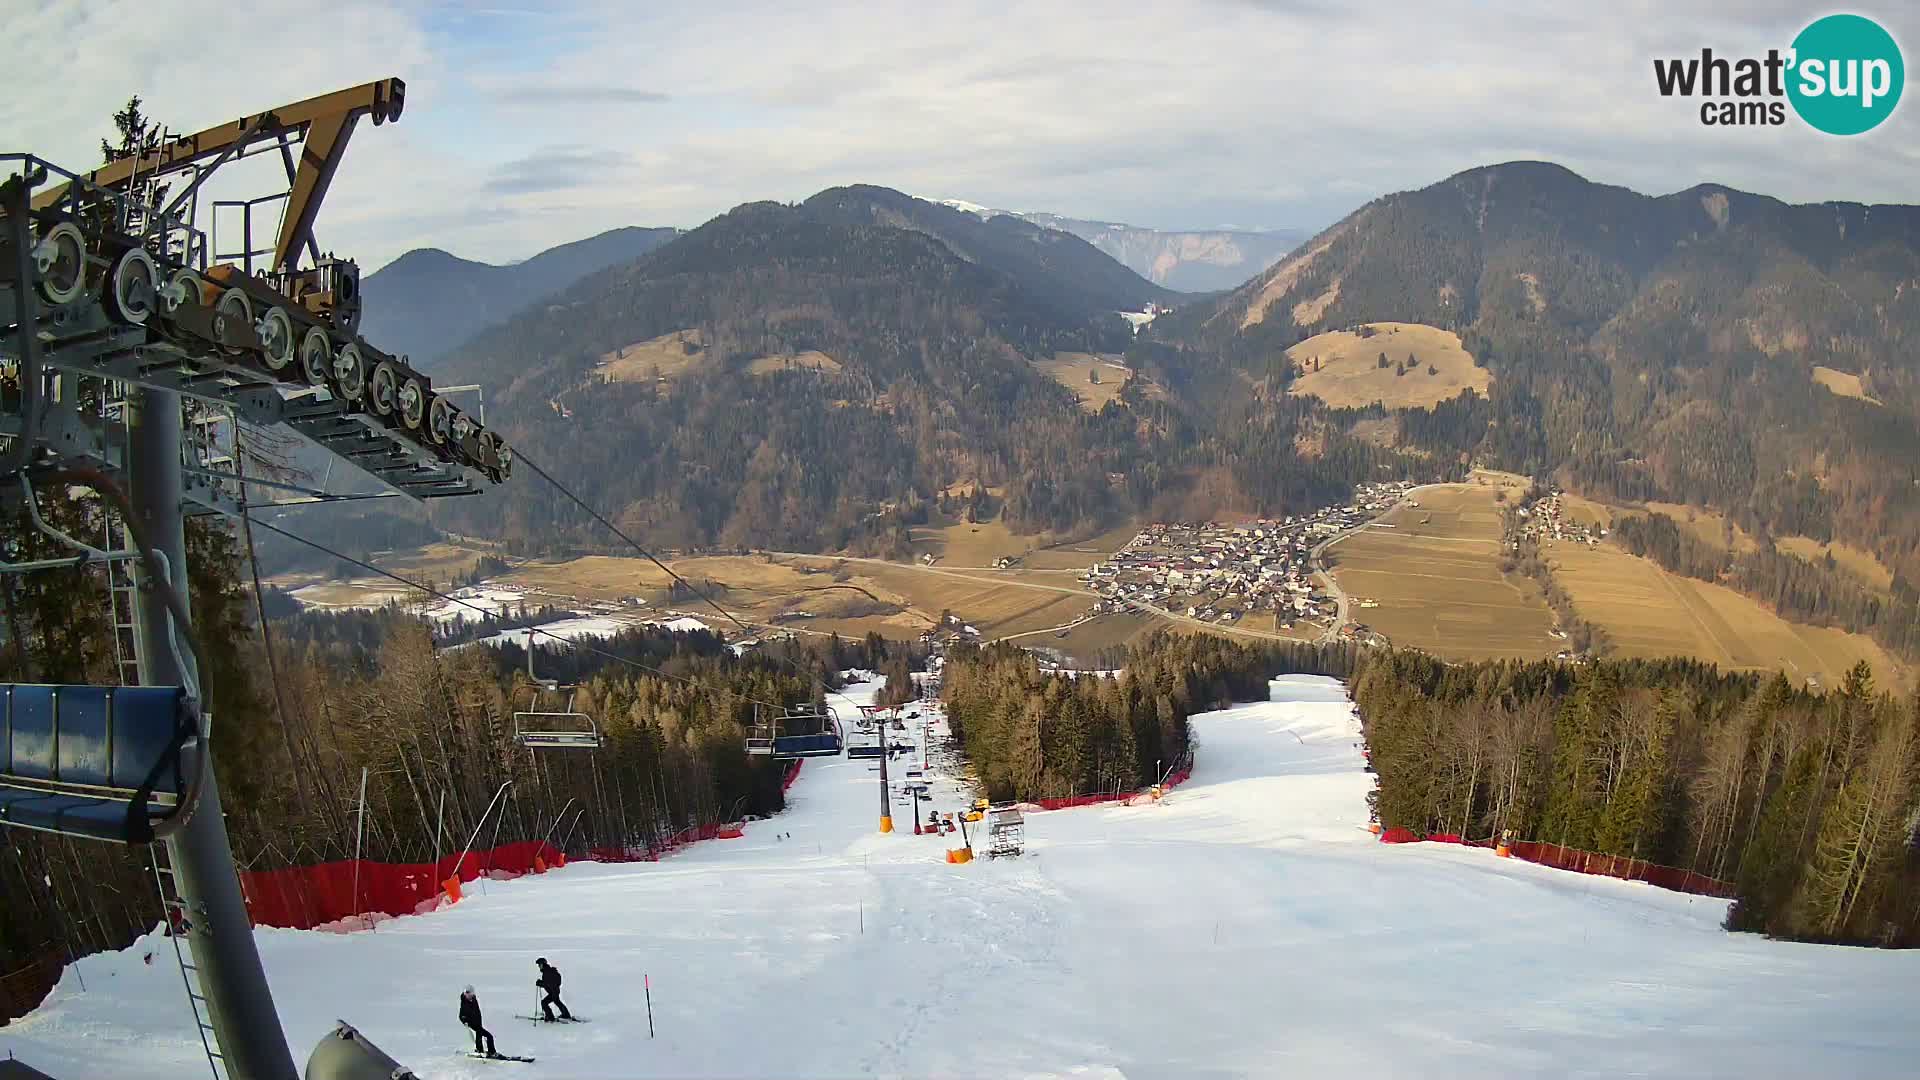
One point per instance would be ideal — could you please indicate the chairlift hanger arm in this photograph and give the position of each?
(325, 124)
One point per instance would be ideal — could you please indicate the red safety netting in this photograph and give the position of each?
(642, 853)
(1586, 862)
(303, 897)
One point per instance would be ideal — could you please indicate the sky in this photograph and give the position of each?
(525, 128)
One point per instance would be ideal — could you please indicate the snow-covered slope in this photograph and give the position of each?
(1248, 925)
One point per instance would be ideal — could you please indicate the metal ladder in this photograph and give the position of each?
(178, 924)
(121, 588)
(121, 585)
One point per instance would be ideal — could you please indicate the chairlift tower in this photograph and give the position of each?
(132, 352)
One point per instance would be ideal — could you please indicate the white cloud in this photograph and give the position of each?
(522, 132)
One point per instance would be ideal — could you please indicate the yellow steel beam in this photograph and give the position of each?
(326, 123)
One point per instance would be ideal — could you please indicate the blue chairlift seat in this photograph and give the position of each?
(798, 731)
(117, 763)
(824, 744)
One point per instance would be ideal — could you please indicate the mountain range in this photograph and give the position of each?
(1680, 347)
(427, 301)
(821, 375)
(1186, 260)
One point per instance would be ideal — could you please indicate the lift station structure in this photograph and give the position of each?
(132, 358)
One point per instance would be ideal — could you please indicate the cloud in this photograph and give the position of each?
(523, 133)
(556, 169)
(532, 95)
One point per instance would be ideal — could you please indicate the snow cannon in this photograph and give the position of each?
(345, 1054)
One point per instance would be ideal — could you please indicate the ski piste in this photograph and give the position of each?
(498, 1057)
(1253, 924)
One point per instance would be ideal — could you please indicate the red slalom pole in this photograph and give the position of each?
(647, 981)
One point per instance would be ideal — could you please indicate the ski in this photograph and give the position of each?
(554, 1020)
(496, 1057)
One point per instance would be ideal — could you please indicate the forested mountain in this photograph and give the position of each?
(1044, 262)
(1645, 347)
(1190, 260)
(813, 376)
(428, 301)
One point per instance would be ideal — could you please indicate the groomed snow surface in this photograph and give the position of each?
(1248, 925)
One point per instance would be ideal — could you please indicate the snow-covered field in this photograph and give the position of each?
(1247, 925)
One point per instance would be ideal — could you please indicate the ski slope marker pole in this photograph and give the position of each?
(647, 981)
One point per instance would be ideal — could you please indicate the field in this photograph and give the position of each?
(1861, 564)
(664, 357)
(434, 564)
(1708, 526)
(1648, 612)
(1436, 578)
(1076, 370)
(671, 355)
(964, 544)
(1085, 641)
(812, 359)
(1343, 369)
(1080, 554)
(822, 593)
(996, 602)
(1842, 383)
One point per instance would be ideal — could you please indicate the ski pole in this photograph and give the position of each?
(647, 981)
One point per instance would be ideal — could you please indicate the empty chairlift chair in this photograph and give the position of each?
(121, 764)
(797, 731)
(564, 728)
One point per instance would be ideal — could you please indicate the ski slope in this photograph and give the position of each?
(1247, 925)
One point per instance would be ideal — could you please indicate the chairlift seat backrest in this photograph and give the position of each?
(106, 763)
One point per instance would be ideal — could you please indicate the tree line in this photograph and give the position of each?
(1807, 802)
(1032, 732)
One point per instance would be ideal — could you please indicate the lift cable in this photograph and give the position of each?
(522, 459)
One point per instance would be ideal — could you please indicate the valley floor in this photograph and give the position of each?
(1247, 925)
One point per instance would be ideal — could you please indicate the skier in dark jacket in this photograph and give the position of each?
(549, 981)
(470, 1016)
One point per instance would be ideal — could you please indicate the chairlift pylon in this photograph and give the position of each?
(548, 729)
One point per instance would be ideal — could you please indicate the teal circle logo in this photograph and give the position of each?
(1846, 74)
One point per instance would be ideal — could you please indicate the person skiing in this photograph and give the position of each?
(549, 981)
(470, 1016)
